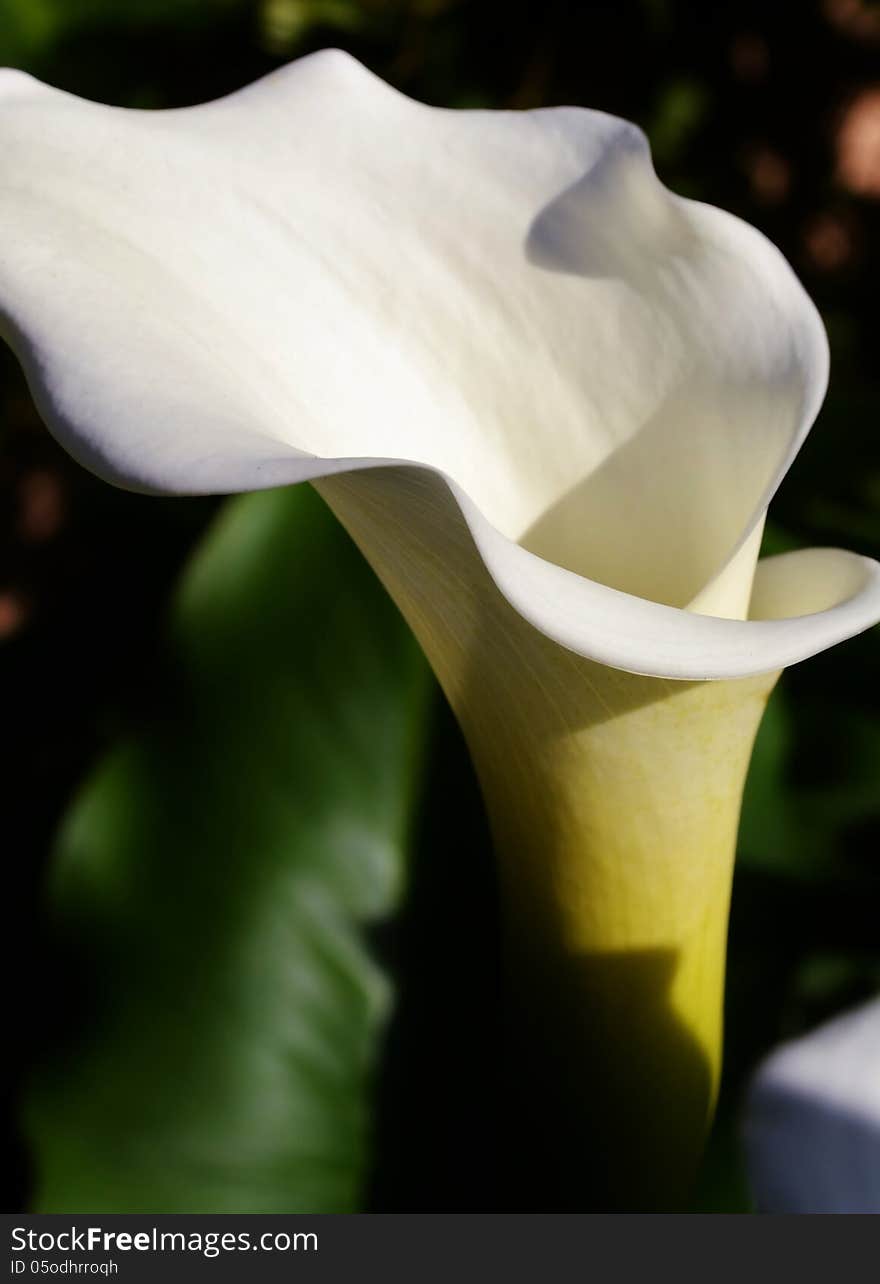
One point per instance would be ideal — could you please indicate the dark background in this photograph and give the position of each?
(771, 110)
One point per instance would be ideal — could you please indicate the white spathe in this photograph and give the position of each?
(812, 1124)
(317, 275)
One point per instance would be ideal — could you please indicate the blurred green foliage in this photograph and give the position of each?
(216, 1032)
(744, 104)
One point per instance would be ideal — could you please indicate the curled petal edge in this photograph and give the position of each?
(806, 601)
(802, 603)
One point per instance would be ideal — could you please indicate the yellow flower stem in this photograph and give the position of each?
(616, 839)
(614, 802)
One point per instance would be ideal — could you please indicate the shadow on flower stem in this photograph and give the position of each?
(606, 1074)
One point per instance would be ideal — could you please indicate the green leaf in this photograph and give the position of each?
(218, 1014)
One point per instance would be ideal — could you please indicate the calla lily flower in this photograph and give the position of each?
(551, 401)
(812, 1125)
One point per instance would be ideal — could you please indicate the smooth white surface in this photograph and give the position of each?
(813, 1120)
(318, 275)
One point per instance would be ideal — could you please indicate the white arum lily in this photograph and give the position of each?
(813, 1120)
(551, 401)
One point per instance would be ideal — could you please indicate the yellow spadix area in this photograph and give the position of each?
(614, 802)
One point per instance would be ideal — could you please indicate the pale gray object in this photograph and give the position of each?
(812, 1128)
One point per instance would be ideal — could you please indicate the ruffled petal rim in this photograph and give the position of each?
(147, 369)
